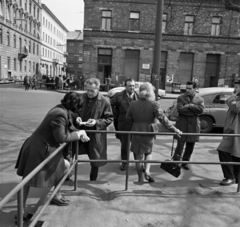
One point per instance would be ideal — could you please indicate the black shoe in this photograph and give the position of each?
(227, 182)
(149, 178)
(26, 217)
(123, 167)
(185, 166)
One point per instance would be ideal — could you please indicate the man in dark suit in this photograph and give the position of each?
(120, 102)
(97, 114)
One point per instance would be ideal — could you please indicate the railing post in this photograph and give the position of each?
(127, 169)
(20, 208)
(238, 189)
(76, 166)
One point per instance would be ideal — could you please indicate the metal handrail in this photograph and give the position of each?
(19, 188)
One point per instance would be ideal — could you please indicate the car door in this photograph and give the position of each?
(219, 108)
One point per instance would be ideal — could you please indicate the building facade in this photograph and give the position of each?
(54, 39)
(200, 40)
(75, 53)
(20, 41)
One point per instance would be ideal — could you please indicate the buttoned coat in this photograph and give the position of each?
(120, 102)
(143, 115)
(232, 126)
(102, 113)
(188, 118)
(53, 131)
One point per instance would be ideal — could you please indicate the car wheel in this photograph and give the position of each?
(206, 124)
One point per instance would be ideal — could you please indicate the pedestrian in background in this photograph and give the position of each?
(189, 106)
(26, 82)
(229, 148)
(143, 115)
(50, 134)
(120, 104)
(96, 112)
(34, 82)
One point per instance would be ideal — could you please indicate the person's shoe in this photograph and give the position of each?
(123, 167)
(149, 178)
(59, 202)
(26, 217)
(185, 166)
(227, 182)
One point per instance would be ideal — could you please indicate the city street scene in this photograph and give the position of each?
(120, 113)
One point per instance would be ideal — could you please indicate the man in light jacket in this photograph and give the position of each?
(229, 148)
(189, 106)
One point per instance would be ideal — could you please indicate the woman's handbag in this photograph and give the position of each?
(172, 168)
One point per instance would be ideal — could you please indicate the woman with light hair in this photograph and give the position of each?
(143, 115)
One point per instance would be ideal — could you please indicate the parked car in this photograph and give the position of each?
(113, 91)
(215, 107)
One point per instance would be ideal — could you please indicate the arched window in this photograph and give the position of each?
(33, 48)
(30, 6)
(8, 38)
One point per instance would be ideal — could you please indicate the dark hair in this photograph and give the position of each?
(194, 84)
(72, 101)
(129, 79)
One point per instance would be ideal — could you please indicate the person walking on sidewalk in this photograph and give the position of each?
(34, 82)
(97, 115)
(189, 106)
(229, 148)
(142, 116)
(26, 82)
(120, 104)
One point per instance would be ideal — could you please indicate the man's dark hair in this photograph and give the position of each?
(194, 84)
(125, 82)
(72, 101)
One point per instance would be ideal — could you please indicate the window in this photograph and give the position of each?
(221, 99)
(71, 44)
(164, 23)
(8, 38)
(20, 43)
(188, 27)
(70, 65)
(34, 11)
(134, 21)
(29, 49)
(106, 20)
(80, 49)
(80, 58)
(15, 64)
(33, 48)
(43, 20)
(38, 14)
(1, 8)
(80, 66)
(42, 51)
(30, 7)
(30, 67)
(46, 38)
(20, 2)
(20, 65)
(33, 66)
(215, 31)
(25, 4)
(8, 63)
(8, 12)
(1, 36)
(14, 41)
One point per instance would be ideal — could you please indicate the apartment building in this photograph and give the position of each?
(54, 40)
(20, 41)
(200, 40)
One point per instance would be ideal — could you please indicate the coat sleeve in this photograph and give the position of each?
(158, 113)
(233, 106)
(106, 117)
(58, 125)
(197, 108)
(183, 110)
(114, 105)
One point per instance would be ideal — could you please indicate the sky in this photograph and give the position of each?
(70, 12)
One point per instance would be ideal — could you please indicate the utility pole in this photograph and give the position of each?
(157, 47)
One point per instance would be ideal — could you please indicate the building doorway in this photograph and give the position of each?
(131, 64)
(212, 70)
(104, 64)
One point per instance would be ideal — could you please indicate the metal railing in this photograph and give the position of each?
(19, 188)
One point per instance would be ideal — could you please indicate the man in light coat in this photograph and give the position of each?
(229, 148)
(189, 106)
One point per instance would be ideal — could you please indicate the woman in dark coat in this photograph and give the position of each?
(53, 131)
(143, 115)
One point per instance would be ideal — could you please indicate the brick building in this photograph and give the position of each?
(20, 29)
(200, 41)
(75, 52)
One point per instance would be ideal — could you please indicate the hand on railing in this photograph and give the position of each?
(179, 133)
(82, 135)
